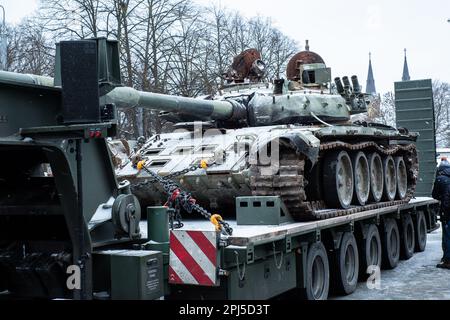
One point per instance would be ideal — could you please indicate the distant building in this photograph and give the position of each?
(370, 86)
(405, 76)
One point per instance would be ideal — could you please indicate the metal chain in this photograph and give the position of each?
(169, 176)
(178, 198)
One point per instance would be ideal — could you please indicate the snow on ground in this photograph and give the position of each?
(414, 279)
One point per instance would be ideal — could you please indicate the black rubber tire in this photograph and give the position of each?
(346, 263)
(333, 163)
(361, 178)
(317, 282)
(408, 237)
(390, 243)
(370, 251)
(421, 231)
(390, 179)
(376, 177)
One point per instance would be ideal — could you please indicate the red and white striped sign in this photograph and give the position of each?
(193, 257)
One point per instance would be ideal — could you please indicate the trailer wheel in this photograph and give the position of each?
(376, 178)
(347, 263)
(421, 232)
(370, 250)
(361, 178)
(390, 242)
(317, 273)
(407, 237)
(338, 180)
(390, 179)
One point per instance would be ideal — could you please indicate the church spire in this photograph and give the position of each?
(370, 86)
(405, 76)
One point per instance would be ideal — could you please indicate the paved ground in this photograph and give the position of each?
(415, 279)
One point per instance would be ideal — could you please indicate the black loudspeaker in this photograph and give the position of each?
(79, 80)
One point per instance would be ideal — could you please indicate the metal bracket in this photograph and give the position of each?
(224, 242)
(223, 273)
(250, 254)
(288, 244)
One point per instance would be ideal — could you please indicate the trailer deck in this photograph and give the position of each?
(260, 234)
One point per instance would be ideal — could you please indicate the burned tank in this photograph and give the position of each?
(293, 138)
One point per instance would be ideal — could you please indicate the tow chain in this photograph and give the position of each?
(178, 198)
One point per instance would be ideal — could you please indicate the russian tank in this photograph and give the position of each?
(291, 138)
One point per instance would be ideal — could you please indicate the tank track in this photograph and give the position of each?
(290, 183)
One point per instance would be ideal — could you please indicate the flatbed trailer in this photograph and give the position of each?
(311, 258)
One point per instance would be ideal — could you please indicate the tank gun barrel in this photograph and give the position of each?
(124, 97)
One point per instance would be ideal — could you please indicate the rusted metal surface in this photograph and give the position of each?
(247, 65)
(301, 58)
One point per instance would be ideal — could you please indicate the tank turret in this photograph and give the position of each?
(305, 97)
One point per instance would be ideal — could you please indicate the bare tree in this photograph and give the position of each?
(441, 97)
(71, 18)
(381, 110)
(29, 50)
(166, 46)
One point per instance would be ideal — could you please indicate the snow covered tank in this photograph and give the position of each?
(291, 138)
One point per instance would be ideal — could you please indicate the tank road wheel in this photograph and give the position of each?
(390, 179)
(376, 177)
(421, 232)
(370, 250)
(346, 260)
(407, 237)
(390, 241)
(402, 178)
(361, 178)
(338, 180)
(317, 273)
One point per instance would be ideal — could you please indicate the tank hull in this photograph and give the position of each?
(286, 161)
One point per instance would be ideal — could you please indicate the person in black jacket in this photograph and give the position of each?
(441, 192)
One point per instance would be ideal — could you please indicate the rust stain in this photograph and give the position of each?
(304, 57)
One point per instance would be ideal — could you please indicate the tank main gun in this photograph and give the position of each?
(225, 110)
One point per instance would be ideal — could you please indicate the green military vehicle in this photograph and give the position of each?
(69, 229)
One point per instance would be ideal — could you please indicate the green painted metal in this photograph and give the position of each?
(108, 62)
(12, 77)
(124, 97)
(136, 275)
(158, 224)
(415, 110)
(261, 210)
(263, 279)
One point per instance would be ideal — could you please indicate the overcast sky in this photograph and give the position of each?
(343, 33)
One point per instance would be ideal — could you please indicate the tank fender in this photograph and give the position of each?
(303, 142)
